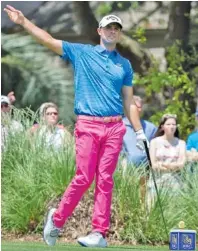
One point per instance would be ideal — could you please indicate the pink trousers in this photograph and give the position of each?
(98, 145)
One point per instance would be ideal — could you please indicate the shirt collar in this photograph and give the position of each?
(101, 49)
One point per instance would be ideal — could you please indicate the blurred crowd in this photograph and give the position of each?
(168, 153)
(48, 130)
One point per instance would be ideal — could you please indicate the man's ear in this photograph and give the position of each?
(99, 31)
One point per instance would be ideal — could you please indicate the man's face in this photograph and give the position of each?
(110, 34)
(5, 108)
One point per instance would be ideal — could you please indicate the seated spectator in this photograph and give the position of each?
(132, 153)
(50, 132)
(168, 157)
(192, 143)
(8, 124)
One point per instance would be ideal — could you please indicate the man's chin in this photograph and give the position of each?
(111, 42)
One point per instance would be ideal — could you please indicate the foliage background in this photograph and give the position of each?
(37, 75)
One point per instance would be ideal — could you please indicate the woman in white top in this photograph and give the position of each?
(50, 133)
(168, 157)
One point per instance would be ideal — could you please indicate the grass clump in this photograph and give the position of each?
(33, 175)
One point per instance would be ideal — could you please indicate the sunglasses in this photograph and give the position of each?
(52, 113)
(4, 105)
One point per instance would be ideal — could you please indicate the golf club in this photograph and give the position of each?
(155, 184)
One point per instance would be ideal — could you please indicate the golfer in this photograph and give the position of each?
(103, 85)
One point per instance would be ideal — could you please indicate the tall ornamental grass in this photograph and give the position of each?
(33, 175)
(138, 223)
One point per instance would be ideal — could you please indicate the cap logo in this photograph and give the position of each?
(113, 18)
(110, 19)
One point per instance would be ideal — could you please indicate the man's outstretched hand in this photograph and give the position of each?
(11, 97)
(15, 16)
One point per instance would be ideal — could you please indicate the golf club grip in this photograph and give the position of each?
(147, 152)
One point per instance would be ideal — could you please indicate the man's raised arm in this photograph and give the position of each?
(40, 35)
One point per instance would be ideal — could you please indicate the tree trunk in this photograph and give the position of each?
(179, 22)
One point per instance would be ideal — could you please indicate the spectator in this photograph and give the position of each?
(168, 157)
(8, 125)
(50, 132)
(133, 154)
(192, 142)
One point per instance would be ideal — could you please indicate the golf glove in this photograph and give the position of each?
(140, 137)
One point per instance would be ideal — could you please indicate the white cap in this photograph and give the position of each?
(110, 19)
(5, 99)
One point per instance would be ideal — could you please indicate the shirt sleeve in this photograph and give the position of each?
(128, 79)
(153, 132)
(189, 144)
(71, 51)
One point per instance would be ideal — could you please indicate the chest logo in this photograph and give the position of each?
(119, 65)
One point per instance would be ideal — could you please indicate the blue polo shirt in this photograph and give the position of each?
(133, 154)
(192, 141)
(99, 76)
